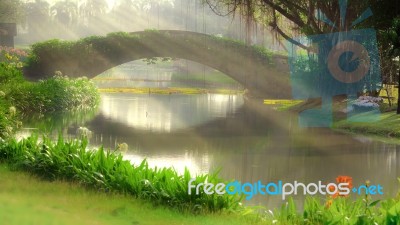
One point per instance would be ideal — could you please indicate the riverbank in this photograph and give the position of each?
(168, 91)
(78, 186)
(387, 126)
(25, 198)
(106, 170)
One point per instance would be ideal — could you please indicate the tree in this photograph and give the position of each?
(65, 12)
(393, 39)
(11, 11)
(91, 10)
(286, 17)
(38, 17)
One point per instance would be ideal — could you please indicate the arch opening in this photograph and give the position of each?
(162, 73)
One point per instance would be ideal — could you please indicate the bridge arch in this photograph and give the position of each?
(263, 74)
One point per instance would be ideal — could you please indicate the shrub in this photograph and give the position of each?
(58, 93)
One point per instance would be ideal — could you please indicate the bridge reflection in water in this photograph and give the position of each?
(161, 113)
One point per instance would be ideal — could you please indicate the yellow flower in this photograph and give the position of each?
(12, 110)
(8, 56)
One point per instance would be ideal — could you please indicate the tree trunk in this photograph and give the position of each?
(398, 95)
(389, 95)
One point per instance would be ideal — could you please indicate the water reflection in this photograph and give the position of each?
(196, 164)
(163, 113)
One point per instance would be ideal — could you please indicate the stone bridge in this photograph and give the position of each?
(262, 73)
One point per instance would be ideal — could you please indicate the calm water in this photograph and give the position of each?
(247, 140)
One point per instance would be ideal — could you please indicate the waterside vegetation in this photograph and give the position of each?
(19, 96)
(109, 172)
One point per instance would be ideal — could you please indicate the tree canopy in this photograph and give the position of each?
(311, 16)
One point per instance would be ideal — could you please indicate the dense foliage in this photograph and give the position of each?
(342, 210)
(58, 93)
(19, 96)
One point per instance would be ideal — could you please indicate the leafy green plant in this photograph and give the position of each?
(108, 171)
(58, 93)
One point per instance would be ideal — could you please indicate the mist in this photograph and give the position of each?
(40, 20)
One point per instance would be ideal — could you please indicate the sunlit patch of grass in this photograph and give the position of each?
(282, 104)
(214, 77)
(388, 126)
(25, 199)
(168, 91)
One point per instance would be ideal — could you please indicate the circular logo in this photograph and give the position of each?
(359, 53)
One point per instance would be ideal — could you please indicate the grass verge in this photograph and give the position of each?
(387, 126)
(26, 199)
(168, 91)
(283, 104)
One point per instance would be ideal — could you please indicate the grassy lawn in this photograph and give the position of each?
(25, 199)
(387, 126)
(212, 77)
(166, 91)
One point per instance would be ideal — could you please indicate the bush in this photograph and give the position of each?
(7, 117)
(58, 93)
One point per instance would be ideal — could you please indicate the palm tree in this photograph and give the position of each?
(91, 10)
(65, 12)
(38, 17)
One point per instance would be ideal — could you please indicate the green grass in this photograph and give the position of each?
(283, 104)
(166, 91)
(211, 77)
(107, 171)
(26, 199)
(387, 126)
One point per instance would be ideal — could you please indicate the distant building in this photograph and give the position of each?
(7, 33)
